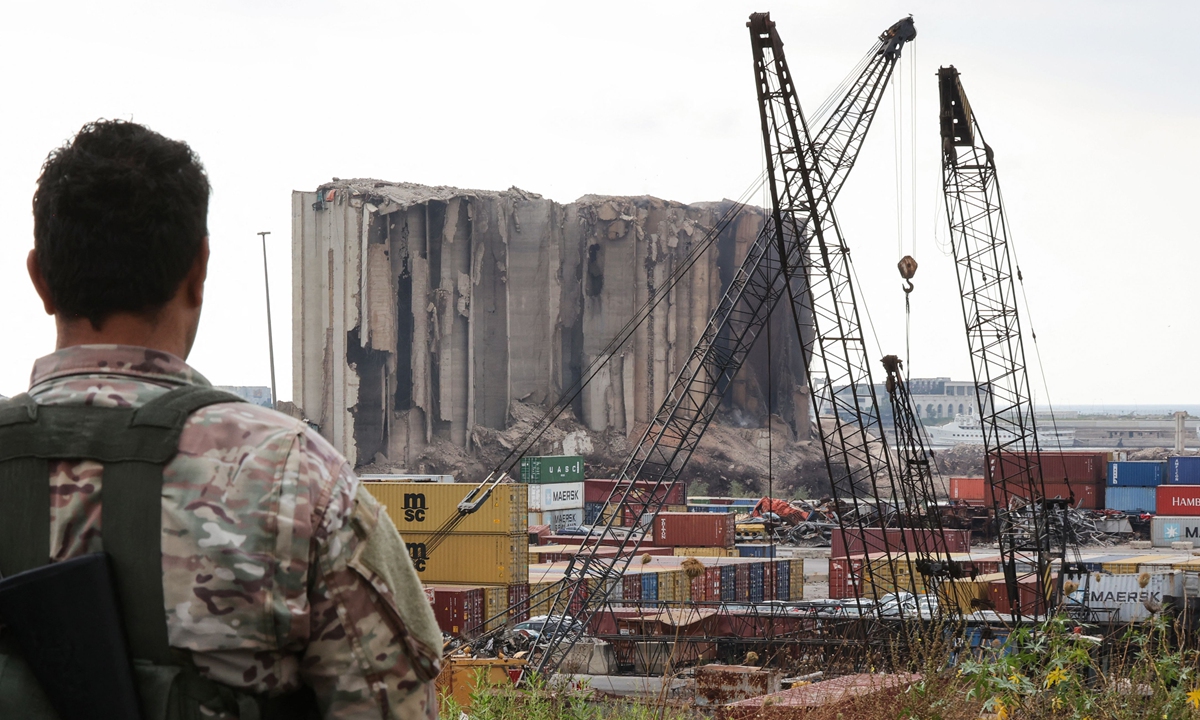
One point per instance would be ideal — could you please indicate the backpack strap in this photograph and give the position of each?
(133, 444)
(131, 517)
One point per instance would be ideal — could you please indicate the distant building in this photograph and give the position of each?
(253, 394)
(942, 398)
(935, 400)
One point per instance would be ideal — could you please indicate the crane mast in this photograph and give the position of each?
(824, 308)
(983, 260)
(771, 270)
(915, 482)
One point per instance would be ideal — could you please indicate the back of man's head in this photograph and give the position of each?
(119, 218)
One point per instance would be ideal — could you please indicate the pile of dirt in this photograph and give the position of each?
(960, 461)
(729, 460)
(1156, 454)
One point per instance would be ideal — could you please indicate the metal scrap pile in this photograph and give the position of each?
(1081, 527)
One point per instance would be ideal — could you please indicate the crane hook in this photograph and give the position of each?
(908, 268)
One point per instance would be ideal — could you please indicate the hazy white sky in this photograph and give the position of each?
(1092, 108)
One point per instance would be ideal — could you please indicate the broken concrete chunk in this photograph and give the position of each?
(606, 212)
(617, 230)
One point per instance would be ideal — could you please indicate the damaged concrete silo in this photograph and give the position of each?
(421, 314)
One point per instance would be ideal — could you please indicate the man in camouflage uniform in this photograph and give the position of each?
(279, 570)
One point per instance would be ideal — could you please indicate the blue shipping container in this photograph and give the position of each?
(756, 582)
(1136, 474)
(1184, 470)
(783, 580)
(650, 586)
(591, 512)
(756, 550)
(729, 582)
(1130, 499)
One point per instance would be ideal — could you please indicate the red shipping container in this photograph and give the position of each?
(538, 534)
(599, 490)
(699, 588)
(712, 583)
(518, 600)
(458, 610)
(1055, 466)
(577, 539)
(842, 582)
(576, 604)
(880, 540)
(1178, 500)
(741, 582)
(770, 579)
(632, 512)
(970, 490)
(1028, 591)
(694, 529)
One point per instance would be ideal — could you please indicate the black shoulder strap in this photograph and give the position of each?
(133, 444)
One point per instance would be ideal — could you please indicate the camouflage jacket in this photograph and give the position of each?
(263, 531)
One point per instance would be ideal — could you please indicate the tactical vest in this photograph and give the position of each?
(134, 445)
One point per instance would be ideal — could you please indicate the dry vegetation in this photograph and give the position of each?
(1045, 673)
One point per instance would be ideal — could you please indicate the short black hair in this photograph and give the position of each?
(119, 217)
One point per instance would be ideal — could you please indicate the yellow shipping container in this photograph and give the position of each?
(495, 606)
(705, 552)
(1188, 565)
(963, 592)
(796, 587)
(668, 585)
(540, 595)
(1161, 563)
(471, 559)
(424, 507)
(1127, 566)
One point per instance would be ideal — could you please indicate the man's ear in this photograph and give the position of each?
(196, 276)
(40, 284)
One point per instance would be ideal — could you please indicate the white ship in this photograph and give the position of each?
(966, 430)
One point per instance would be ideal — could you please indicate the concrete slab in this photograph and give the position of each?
(637, 687)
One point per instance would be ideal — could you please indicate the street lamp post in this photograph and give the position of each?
(270, 336)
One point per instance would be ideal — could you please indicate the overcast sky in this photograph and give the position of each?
(1092, 108)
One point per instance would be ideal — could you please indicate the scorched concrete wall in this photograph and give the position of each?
(420, 313)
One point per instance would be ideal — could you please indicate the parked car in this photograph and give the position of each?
(535, 627)
(908, 605)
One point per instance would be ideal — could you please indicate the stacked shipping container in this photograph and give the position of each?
(1063, 474)
(1130, 486)
(481, 569)
(556, 495)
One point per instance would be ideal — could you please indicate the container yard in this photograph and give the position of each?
(598, 562)
(662, 370)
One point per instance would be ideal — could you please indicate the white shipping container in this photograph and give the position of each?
(390, 477)
(1121, 597)
(557, 519)
(1166, 530)
(1191, 585)
(559, 496)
